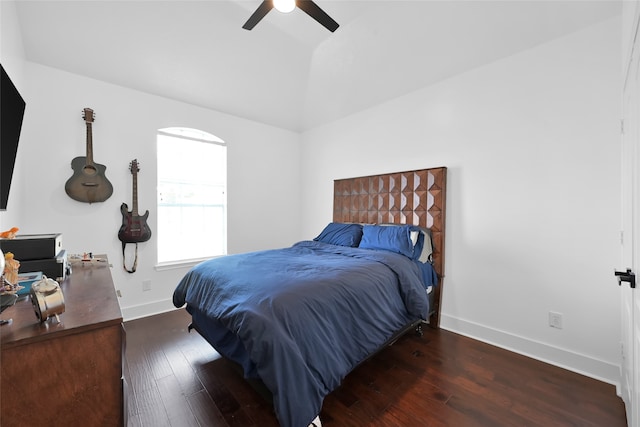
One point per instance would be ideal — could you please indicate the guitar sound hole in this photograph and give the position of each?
(89, 170)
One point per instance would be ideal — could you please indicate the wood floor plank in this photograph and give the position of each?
(205, 410)
(183, 371)
(437, 413)
(131, 406)
(158, 363)
(226, 402)
(141, 376)
(439, 380)
(257, 409)
(134, 421)
(151, 409)
(176, 405)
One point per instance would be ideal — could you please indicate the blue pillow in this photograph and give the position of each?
(394, 239)
(342, 234)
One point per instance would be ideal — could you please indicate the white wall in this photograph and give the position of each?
(263, 174)
(532, 146)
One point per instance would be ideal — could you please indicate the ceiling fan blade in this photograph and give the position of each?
(260, 12)
(314, 11)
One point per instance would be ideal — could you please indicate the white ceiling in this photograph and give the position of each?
(289, 71)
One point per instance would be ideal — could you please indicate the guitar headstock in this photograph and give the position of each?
(133, 166)
(88, 115)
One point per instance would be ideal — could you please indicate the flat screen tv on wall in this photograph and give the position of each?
(11, 113)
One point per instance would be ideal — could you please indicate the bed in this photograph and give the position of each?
(301, 318)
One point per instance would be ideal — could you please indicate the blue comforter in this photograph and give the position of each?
(306, 315)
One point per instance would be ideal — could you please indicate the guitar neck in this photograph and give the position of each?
(89, 144)
(134, 209)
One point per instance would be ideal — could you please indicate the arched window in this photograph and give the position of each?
(192, 195)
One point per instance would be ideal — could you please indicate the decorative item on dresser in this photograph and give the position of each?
(62, 374)
(47, 299)
(88, 183)
(6, 299)
(134, 227)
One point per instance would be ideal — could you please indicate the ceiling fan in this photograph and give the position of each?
(308, 6)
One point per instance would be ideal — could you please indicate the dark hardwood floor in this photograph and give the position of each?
(175, 378)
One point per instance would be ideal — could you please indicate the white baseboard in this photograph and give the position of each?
(579, 363)
(145, 310)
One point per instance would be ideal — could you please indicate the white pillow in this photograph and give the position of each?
(413, 235)
(427, 248)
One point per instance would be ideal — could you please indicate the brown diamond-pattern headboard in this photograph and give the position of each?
(413, 197)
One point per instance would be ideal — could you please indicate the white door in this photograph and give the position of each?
(630, 366)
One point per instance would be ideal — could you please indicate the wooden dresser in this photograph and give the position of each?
(67, 373)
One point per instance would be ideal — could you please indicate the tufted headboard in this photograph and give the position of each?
(413, 197)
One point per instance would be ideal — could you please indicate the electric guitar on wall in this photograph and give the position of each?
(88, 183)
(134, 227)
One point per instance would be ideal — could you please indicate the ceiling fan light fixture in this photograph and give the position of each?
(307, 6)
(284, 6)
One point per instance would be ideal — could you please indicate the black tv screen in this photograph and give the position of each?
(11, 113)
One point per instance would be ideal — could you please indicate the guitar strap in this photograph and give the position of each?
(124, 259)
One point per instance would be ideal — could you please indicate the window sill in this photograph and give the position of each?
(186, 263)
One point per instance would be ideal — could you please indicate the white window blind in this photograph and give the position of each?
(192, 195)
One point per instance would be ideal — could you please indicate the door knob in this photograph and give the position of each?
(626, 276)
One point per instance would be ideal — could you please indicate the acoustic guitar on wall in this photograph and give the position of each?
(88, 183)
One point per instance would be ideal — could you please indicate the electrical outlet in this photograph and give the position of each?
(555, 320)
(146, 285)
(119, 293)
